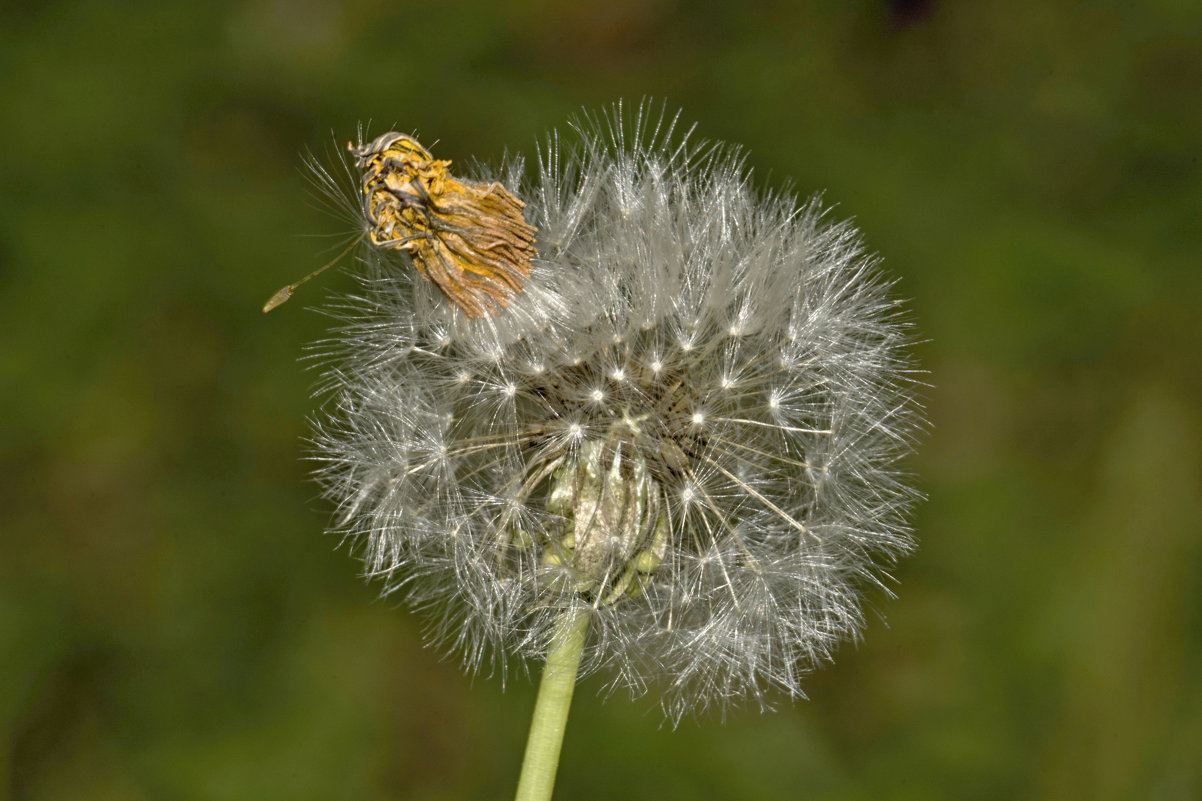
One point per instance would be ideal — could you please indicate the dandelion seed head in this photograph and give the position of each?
(689, 421)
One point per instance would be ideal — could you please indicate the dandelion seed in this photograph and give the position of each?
(685, 430)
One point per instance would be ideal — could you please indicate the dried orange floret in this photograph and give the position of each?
(469, 238)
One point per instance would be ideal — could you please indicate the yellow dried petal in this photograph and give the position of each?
(468, 238)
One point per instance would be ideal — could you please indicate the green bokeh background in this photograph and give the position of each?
(175, 625)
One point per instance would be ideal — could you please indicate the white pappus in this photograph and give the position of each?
(689, 423)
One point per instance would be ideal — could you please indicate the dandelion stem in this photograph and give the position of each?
(551, 707)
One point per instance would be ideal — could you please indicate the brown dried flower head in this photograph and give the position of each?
(468, 238)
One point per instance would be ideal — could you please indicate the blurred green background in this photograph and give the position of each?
(175, 625)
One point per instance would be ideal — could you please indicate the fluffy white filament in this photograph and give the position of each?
(739, 347)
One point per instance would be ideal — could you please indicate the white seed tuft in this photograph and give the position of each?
(689, 420)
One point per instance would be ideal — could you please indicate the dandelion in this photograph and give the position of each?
(670, 459)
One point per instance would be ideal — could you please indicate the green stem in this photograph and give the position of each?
(551, 708)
